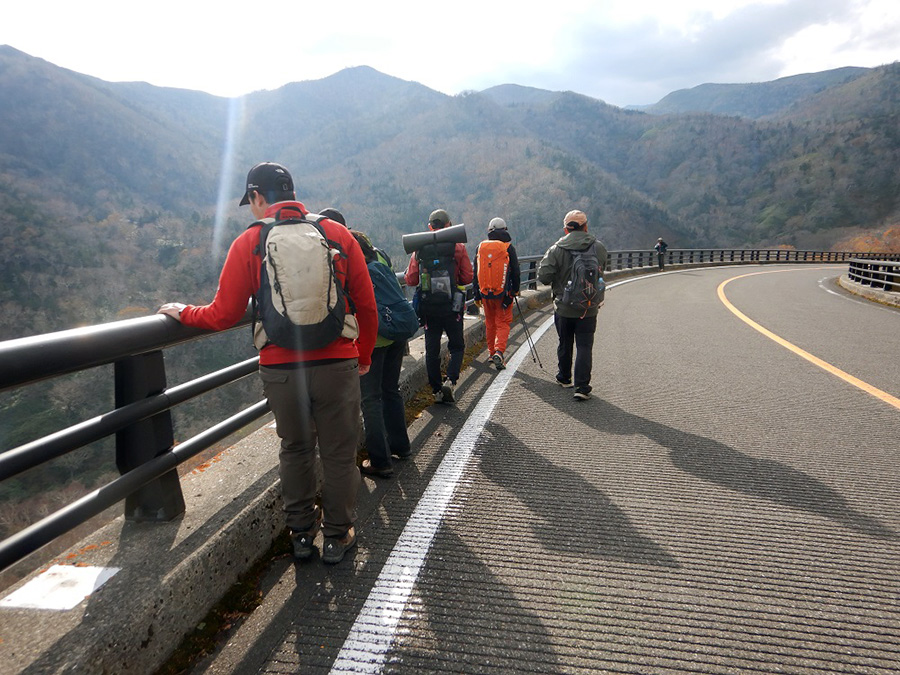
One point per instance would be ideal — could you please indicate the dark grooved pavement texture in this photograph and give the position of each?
(719, 506)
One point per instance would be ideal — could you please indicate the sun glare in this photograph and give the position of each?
(232, 138)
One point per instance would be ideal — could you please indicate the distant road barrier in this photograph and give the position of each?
(880, 274)
(141, 421)
(620, 260)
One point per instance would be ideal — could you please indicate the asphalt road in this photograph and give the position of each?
(722, 505)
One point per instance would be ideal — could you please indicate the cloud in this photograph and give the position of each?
(650, 59)
(621, 51)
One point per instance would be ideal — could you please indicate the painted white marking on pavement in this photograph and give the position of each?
(855, 298)
(373, 632)
(61, 587)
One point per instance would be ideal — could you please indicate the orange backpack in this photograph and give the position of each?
(493, 268)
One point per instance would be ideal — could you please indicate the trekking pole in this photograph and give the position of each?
(531, 346)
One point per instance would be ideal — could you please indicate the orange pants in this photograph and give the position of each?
(496, 324)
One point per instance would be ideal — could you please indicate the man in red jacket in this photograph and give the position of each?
(437, 312)
(313, 394)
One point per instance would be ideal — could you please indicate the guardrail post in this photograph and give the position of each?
(137, 378)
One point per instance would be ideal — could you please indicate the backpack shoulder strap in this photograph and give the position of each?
(315, 220)
(387, 258)
(261, 221)
(265, 226)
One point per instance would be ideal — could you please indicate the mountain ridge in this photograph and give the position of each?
(754, 100)
(149, 177)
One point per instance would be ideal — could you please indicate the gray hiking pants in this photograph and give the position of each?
(310, 403)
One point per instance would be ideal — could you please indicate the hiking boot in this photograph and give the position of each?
(447, 391)
(438, 396)
(334, 548)
(565, 384)
(368, 470)
(497, 358)
(582, 394)
(302, 541)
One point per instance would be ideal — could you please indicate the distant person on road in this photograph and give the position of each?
(575, 325)
(496, 284)
(661, 248)
(440, 272)
(314, 394)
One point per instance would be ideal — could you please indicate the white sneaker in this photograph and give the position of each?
(447, 392)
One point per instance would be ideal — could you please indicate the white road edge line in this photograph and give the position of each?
(854, 298)
(373, 631)
(375, 626)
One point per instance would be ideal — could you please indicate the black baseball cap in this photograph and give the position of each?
(334, 215)
(269, 177)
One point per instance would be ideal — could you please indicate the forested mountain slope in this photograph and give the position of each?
(117, 196)
(753, 100)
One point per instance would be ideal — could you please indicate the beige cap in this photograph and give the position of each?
(440, 216)
(575, 217)
(497, 224)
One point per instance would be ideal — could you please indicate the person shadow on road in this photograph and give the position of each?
(717, 463)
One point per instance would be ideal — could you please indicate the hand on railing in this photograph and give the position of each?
(172, 309)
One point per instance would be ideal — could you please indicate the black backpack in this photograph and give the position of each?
(584, 288)
(300, 304)
(437, 278)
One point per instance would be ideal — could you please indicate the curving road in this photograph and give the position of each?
(723, 504)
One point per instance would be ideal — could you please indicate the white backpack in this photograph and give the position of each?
(300, 304)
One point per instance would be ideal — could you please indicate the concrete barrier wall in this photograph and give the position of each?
(884, 297)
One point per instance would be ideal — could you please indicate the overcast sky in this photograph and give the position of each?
(621, 51)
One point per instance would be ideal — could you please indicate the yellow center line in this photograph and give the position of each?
(824, 365)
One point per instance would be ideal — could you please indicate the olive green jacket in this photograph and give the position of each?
(554, 268)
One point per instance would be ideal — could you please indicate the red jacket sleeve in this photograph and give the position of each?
(412, 271)
(464, 274)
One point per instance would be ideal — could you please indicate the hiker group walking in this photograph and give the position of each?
(332, 324)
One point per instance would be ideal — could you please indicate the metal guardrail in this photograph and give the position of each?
(883, 274)
(620, 260)
(145, 452)
(142, 423)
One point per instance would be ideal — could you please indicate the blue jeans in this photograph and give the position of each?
(383, 408)
(577, 333)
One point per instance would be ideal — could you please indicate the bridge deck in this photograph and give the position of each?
(722, 505)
